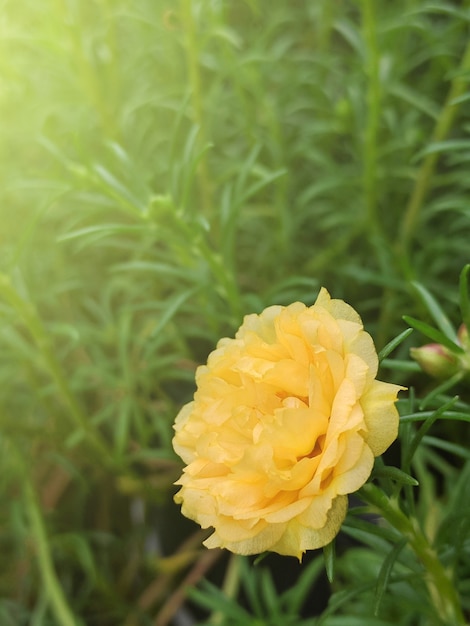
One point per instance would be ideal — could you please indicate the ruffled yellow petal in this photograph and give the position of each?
(298, 538)
(380, 415)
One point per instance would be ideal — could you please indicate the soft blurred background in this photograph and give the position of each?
(167, 167)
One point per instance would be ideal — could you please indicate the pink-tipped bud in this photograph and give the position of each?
(462, 336)
(436, 360)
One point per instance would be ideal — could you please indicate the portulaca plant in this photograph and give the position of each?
(287, 420)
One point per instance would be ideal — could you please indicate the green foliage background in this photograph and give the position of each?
(167, 167)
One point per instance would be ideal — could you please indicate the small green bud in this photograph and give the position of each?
(436, 360)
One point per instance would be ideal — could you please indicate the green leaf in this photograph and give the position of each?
(368, 525)
(329, 555)
(400, 365)
(422, 415)
(190, 174)
(211, 597)
(429, 421)
(294, 597)
(416, 98)
(442, 388)
(433, 334)
(269, 592)
(350, 620)
(391, 345)
(103, 230)
(171, 309)
(250, 585)
(159, 269)
(396, 475)
(464, 98)
(453, 448)
(449, 145)
(436, 312)
(118, 190)
(385, 571)
(76, 547)
(260, 558)
(122, 425)
(340, 598)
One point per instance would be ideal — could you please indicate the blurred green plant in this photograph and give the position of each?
(167, 167)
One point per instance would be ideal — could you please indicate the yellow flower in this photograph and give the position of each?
(286, 420)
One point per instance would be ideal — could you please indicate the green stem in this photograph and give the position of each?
(325, 26)
(51, 583)
(439, 583)
(426, 171)
(230, 585)
(87, 73)
(192, 60)
(373, 112)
